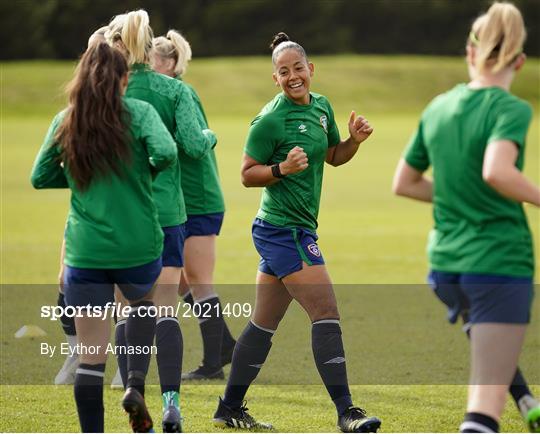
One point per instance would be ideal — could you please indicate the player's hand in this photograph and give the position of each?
(296, 161)
(359, 128)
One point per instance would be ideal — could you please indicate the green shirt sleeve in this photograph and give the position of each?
(47, 171)
(416, 154)
(160, 145)
(262, 141)
(512, 122)
(201, 115)
(195, 142)
(333, 132)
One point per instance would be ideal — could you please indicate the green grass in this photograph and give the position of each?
(289, 408)
(395, 336)
(303, 410)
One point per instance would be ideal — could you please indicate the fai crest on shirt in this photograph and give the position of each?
(324, 123)
(314, 250)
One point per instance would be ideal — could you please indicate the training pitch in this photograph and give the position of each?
(406, 364)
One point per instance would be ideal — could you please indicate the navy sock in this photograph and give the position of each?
(212, 332)
(88, 391)
(68, 323)
(169, 353)
(329, 357)
(188, 298)
(140, 331)
(519, 387)
(121, 356)
(477, 422)
(227, 340)
(249, 355)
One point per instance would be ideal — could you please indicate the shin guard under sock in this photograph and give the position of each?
(329, 357)
(249, 355)
(88, 391)
(212, 332)
(140, 330)
(169, 353)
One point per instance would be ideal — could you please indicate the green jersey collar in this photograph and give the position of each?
(299, 106)
(136, 67)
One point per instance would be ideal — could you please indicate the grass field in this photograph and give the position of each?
(407, 365)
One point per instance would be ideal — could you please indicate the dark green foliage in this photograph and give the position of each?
(60, 28)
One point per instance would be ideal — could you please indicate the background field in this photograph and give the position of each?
(367, 236)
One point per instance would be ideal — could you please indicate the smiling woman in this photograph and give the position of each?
(293, 73)
(287, 146)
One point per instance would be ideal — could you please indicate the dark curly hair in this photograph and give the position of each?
(281, 42)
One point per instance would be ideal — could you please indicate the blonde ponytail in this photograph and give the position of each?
(137, 36)
(499, 36)
(174, 46)
(113, 33)
(183, 50)
(134, 31)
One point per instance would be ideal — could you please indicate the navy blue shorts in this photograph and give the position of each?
(95, 287)
(283, 250)
(204, 224)
(173, 246)
(484, 297)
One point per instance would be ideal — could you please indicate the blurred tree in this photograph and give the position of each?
(60, 28)
(23, 29)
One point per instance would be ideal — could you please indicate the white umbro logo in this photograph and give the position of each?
(302, 128)
(336, 360)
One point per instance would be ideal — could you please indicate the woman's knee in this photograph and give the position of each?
(317, 313)
(268, 320)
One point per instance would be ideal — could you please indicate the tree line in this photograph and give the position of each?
(60, 28)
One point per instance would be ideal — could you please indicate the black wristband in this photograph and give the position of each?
(276, 172)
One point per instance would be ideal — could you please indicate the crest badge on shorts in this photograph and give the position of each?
(324, 123)
(314, 250)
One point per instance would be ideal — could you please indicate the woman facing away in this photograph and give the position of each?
(287, 146)
(480, 250)
(106, 149)
(205, 210)
(66, 374)
(132, 35)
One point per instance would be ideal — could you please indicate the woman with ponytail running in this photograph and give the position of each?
(132, 35)
(480, 249)
(107, 148)
(205, 210)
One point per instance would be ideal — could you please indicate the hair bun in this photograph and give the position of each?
(278, 39)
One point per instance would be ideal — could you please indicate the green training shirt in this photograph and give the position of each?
(114, 223)
(279, 127)
(476, 230)
(200, 177)
(173, 101)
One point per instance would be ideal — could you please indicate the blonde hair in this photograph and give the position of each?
(498, 35)
(174, 46)
(134, 31)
